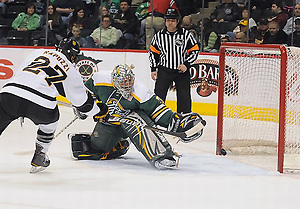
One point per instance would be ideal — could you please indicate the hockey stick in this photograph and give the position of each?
(65, 128)
(181, 135)
(113, 120)
(66, 104)
(56, 135)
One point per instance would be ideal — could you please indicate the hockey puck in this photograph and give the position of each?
(223, 152)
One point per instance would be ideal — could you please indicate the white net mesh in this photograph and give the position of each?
(293, 101)
(251, 101)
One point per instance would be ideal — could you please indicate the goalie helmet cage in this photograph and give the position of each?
(259, 102)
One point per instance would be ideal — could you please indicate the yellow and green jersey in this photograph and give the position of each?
(141, 98)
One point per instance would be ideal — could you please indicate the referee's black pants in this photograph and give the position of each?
(165, 78)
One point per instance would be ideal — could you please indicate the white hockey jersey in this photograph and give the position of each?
(44, 75)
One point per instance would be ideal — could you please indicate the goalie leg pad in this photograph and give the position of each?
(118, 150)
(154, 146)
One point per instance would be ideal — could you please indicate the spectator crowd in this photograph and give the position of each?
(130, 24)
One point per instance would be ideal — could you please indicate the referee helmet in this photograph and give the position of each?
(172, 14)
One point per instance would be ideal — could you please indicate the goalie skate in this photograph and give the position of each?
(165, 164)
(168, 162)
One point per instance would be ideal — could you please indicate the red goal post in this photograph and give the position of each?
(259, 102)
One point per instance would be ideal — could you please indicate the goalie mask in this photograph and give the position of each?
(122, 77)
(69, 47)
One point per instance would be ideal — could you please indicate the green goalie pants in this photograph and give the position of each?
(105, 137)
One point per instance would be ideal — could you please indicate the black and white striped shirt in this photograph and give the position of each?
(173, 49)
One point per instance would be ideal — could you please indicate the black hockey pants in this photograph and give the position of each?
(13, 107)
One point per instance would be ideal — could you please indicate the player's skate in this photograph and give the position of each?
(40, 160)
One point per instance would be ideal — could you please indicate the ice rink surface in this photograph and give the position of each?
(203, 180)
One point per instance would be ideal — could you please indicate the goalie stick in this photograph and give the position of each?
(113, 120)
(181, 135)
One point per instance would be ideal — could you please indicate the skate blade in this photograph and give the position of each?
(166, 166)
(36, 169)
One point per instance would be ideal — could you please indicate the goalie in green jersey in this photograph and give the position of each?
(132, 108)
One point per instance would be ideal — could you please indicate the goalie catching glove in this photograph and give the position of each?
(191, 124)
(103, 114)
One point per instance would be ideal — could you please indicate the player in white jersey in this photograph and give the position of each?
(32, 93)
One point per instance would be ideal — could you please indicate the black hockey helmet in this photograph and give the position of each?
(171, 14)
(69, 47)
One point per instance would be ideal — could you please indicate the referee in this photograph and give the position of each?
(173, 49)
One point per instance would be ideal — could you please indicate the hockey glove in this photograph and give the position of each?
(103, 114)
(79, 114)
(191, 124)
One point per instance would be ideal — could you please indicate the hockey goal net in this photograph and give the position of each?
(259, 102)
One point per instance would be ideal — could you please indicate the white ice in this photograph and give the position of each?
(203, 179)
